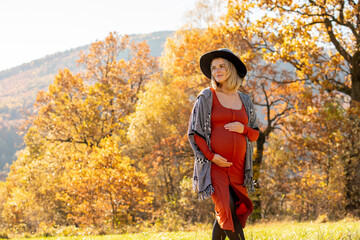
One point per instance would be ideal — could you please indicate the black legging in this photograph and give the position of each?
(220, 234)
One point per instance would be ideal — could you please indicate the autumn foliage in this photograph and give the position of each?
(107, 148)
(72, 170)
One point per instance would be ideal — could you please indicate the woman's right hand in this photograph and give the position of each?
(220, 161)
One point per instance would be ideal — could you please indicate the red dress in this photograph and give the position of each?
(232, 146)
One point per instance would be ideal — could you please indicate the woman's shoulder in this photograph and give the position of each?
(245, 98)
(206, 92)
(205, 97)
(243, 94)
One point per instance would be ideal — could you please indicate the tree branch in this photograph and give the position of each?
(324, 16)
(67, 140)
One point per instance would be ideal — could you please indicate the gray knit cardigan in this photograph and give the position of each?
(200, 124)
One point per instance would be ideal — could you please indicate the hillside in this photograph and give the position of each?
(19, 86)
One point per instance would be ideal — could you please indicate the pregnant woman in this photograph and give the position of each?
(222, 126)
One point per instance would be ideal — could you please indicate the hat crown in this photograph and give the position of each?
(225, 49)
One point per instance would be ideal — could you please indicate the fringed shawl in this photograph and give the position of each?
(200, 124)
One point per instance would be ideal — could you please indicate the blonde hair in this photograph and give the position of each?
(233, 82)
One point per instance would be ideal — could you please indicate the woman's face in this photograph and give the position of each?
(218, 70)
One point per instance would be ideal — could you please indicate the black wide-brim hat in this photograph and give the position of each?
(206, 59)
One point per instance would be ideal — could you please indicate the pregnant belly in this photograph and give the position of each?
(228, 144)
(222, 142)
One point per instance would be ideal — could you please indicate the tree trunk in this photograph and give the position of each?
(355, 78)
(351, 168)
(352, 162)
(257, 164)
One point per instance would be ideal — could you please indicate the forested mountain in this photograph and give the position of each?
(19, 86)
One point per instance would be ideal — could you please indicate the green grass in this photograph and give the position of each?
(305, 231)
(342, 230)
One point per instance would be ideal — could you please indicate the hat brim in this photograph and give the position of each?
(206, 59)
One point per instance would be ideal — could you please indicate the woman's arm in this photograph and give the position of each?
(210, 155)
(252, 134)
(204, 148)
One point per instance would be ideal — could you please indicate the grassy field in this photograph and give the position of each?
(349, 230)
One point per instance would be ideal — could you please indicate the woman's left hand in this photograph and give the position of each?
(235, 127)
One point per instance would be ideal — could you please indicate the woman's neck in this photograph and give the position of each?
(227, 92)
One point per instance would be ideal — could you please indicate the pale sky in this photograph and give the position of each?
(31, 29)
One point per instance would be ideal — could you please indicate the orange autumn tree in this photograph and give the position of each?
(320, 40)
(303, 175)
(103, 186)
(72, 169)
(158, 137)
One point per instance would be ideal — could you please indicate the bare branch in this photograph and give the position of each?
(281, 82)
